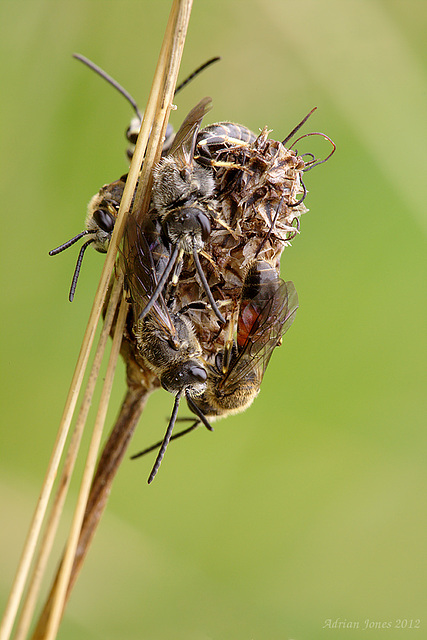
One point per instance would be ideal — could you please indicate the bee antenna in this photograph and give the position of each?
(206, 286)
(196, 73)
(174, 437)
(166, 439)
(78, 267)
(110, 80)
(293, 132)
(69, 243)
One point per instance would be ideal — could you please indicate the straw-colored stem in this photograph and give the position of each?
(60, 591)
(112, 455)
(64, 481)
(160, 98)
(71, 401)
(40, 511)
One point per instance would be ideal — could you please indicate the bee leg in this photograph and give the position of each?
(197, 411)
(206, 287)
(171, 290)
(209, 162)
(158, 290)
(200, 304)
(157, 445)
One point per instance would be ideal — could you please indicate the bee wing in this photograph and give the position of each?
(185, 140)
(267, 326)
(140, 270)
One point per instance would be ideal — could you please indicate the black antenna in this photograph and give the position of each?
(77, 269)
(122, 90)
(166, 439)
(168, 435)
(196, 73)
(206, 286)
(161, 283)
(69, 243)
(110, 80)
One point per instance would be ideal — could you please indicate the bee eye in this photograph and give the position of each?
(205, 226)
(104, 220)
(198, 373)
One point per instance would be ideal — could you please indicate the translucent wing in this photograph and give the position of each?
(185, 140)
(139, 247)
(260, 329)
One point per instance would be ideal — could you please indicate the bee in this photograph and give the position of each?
(267, 309)
(165, 341)
(184, 201)
(100, 221)
(103, 206)
(228, 145)
(221, 136)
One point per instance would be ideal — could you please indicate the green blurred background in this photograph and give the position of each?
(311, 505)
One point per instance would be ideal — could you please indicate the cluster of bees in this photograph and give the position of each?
(207, 303)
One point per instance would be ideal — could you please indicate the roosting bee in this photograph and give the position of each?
(100, 221)
(165, 341)
(226, 146)
(103, 207)
(267, 309)
(184, 201)
(221, 136)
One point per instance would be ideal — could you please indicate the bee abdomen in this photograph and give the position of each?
(221, 136)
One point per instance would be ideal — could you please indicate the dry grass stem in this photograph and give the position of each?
(152, 133)
(59, 594)
(64, 481)
(160, 99)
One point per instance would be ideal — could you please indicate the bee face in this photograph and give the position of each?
(132, 133)
(100, 220)
(102, 213)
